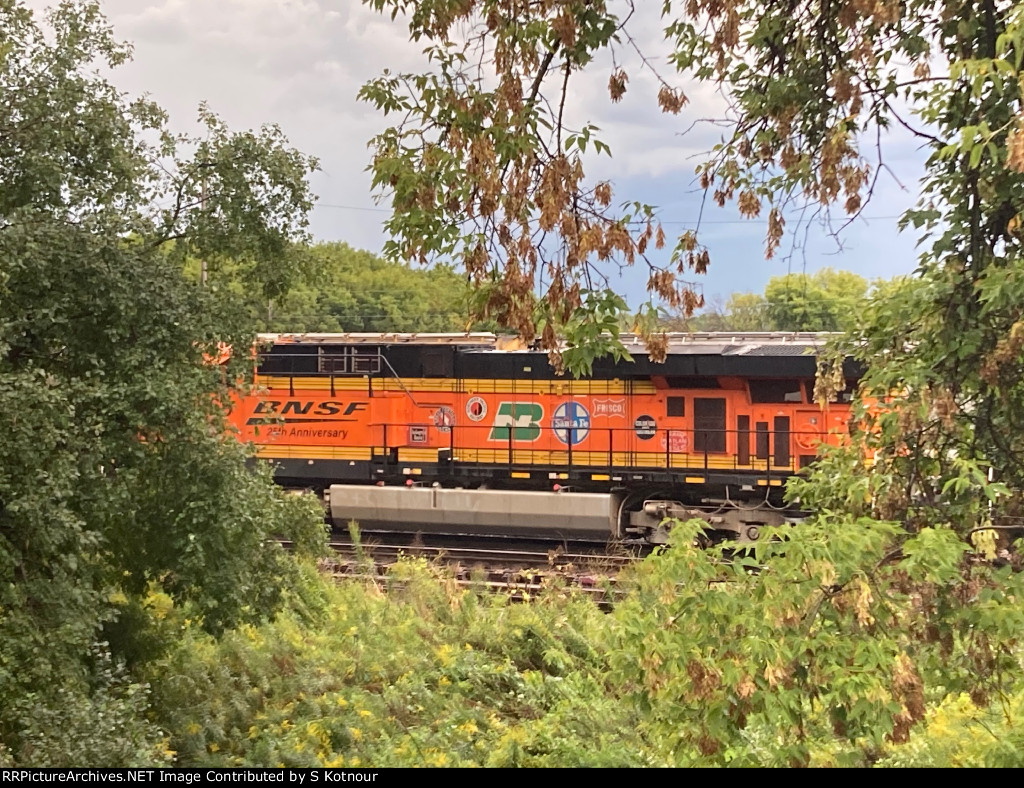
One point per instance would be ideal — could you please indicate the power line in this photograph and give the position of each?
(664, 221)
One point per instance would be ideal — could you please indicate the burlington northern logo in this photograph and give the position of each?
(521, 418)
(295, 411)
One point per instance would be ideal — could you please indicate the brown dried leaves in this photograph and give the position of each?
(671, 99)
(617, 84)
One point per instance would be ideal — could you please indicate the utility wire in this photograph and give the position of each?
(666, 221)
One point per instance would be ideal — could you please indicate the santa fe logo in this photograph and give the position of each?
(524, 419)
(571, 423)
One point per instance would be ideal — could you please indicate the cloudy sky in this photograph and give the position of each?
(300, 63)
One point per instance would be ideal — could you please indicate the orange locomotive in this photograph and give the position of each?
(485, 431)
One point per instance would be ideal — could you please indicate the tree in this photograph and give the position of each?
(742, 312)
(745, 312)
(482, 169)
(345, 289)
(826, 300)
(484, 155)
(117, 472)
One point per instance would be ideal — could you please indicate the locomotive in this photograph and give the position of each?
(476, 433)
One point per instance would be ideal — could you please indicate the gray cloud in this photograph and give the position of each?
(300, 63)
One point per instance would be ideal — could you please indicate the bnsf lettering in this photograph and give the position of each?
(270, 407)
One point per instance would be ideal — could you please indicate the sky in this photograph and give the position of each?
(300, 64)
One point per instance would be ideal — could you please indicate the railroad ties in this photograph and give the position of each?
(522, 572)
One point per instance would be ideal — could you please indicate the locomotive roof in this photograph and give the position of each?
(747, 343)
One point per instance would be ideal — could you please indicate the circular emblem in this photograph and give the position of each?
(444, 418)
(645, 427)
(476, 409)
(571, 423)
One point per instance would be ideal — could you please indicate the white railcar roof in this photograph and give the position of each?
(746, 343)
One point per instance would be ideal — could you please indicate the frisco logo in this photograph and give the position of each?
(610, 407)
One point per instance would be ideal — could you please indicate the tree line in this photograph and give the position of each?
(344, 289)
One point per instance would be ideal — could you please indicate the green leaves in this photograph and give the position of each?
(117, 472)
(591, 332)
(584, 137)
(428, 673)
(822, 644)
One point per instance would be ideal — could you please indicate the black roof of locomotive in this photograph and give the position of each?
(480, 355)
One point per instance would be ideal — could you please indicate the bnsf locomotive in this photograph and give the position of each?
(470, 433)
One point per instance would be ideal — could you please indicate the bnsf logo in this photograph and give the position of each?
(523, 418)
(270, 407)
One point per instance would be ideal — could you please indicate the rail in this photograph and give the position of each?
(775, 453)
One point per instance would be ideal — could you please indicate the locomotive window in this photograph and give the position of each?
(348, 360)
(676, 406)
(762, 391)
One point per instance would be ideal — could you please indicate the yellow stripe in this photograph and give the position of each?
(417, 455)
(468, 385)
(415, 384)
(600, 477)
(286, 452)
(518, 475)
(621, 460)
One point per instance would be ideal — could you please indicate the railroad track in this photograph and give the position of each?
(519, 568)
(520, 585)
(499, 557)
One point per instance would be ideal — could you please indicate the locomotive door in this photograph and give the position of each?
(782, 456)
(709, 425)
(773, 436)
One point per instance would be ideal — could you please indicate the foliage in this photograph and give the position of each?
(484, 163)
(423, 673)
(116, 468)
(343, 289)
(594, 327)
(103, 723)
(741, 312)
(826, 300)
(481, 167)
(824, 644)
(836, 642)
(483, 148)
(841, 634)
(959, 733)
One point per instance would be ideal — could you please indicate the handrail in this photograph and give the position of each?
(599, 449)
